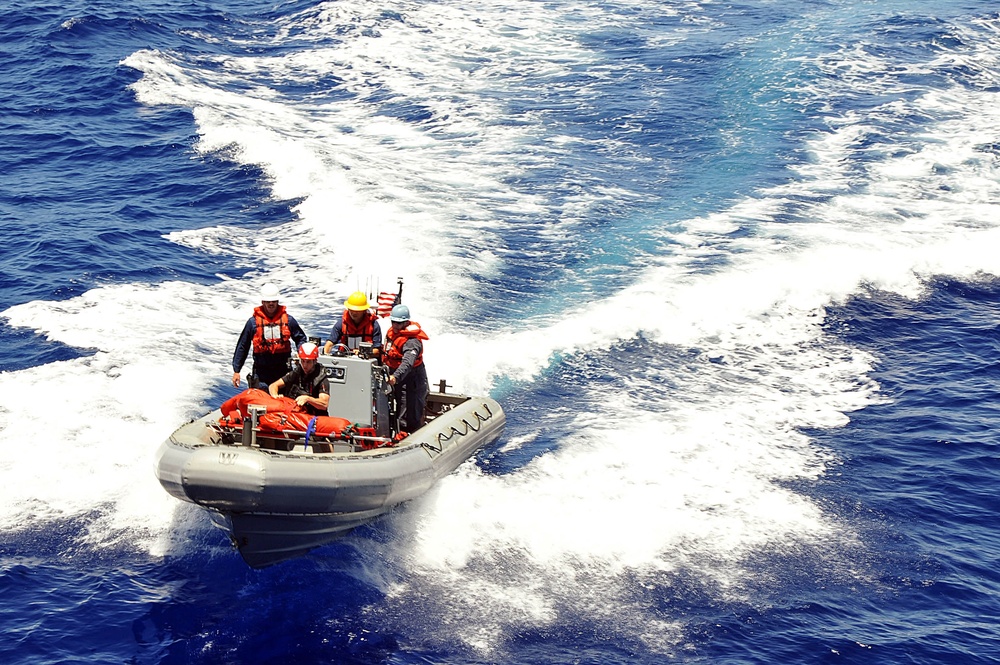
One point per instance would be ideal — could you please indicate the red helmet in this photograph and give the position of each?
(308, 351)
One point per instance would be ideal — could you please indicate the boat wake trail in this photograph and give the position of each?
(661, 362)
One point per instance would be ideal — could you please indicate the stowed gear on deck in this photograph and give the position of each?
(359, 394)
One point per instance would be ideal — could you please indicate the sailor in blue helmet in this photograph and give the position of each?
(403, 354)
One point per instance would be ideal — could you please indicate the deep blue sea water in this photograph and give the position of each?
(731, 268)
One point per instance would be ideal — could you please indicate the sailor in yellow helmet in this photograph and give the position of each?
(357, 324)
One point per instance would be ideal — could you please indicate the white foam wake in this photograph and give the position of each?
(684, 467)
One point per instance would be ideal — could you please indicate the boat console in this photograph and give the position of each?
(358, 391)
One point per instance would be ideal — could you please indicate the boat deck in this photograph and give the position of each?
(297, 441)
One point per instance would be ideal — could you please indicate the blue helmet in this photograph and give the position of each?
(400, 314)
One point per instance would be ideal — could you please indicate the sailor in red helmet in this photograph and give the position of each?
(271, 333)
(357, 324)
(306, 383)
(404, 356)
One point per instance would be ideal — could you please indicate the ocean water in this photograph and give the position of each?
(730, 267)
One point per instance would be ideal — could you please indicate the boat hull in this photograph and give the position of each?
(277, 504)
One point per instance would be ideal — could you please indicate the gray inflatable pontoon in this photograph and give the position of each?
(280, 495)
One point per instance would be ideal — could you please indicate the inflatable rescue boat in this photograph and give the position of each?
(281, 482)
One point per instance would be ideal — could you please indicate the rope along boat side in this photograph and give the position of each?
(280, 489)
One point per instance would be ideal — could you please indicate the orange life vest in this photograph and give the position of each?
(272, 335)
(365, 329)
(393, 355)
(299, 421)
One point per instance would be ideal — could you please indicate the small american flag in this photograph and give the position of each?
(386, 300)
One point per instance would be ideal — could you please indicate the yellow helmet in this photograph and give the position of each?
(357, 301)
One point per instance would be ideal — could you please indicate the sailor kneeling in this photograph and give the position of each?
(307, 383)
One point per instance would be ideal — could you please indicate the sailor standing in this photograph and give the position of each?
(404, 356)
(271, 331)
(358, 324)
